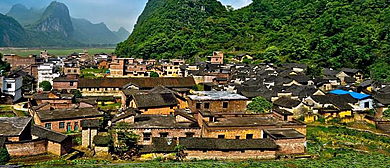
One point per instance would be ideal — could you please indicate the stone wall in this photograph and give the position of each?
(27, 148)
(245, 154)
(87, 136)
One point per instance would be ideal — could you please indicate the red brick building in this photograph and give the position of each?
(65, 83)
(64, 120)
(217, 102)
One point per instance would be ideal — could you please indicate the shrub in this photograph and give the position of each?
(4, 156)
(45, 85)
(259, 105)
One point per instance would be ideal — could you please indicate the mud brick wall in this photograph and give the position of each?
(27, 148)
(290, 146)
(245, 154)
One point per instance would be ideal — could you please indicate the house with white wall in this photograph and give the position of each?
(12, 85)
(47, 72)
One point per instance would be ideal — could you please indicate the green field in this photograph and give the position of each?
(57, 52)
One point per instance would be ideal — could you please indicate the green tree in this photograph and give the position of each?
(45, 85)
(4, 156)
(386, 113)
(259, 105)
(154, 74)
(180, 152)
(4, 66)
(126, 139)
(76, 93)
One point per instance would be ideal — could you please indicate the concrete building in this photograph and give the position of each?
(47, 72)
(12, 85)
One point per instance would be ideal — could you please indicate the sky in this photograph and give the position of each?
(114, 13)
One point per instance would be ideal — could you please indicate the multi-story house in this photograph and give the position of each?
(47, 72)
(12, 85)
(217, 58)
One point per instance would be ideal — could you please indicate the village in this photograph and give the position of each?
(131, 108)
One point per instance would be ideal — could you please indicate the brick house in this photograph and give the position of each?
(154, 103)
(64, 120)
(243, 126)
(113, 86)
(56, 100)
(71, 71)
(217, 102)
(24, 139)
(151, 126)
(16, 128)
(89, 131)
(212, 148)
(289, 141)
(17, 61)
(65, 83)
(217, 58)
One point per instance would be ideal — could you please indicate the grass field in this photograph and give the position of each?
(57, 52)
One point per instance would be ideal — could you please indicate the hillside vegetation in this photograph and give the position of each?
(328, 33)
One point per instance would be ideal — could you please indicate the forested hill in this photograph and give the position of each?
(331, 33)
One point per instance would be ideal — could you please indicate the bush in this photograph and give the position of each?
(154, 74)
(4, 156)
(386, 113)
(259, 105)
(45, 85)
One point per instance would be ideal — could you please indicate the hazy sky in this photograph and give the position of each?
(115, 13)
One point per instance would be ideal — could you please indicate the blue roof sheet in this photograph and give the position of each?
(355, 95)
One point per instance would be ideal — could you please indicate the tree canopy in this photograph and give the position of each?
(259, 105)
(322, 33)
(45, 85)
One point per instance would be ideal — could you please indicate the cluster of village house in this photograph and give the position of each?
(167, 110)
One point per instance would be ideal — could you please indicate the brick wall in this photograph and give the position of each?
(64, 85)
(55, 124)
(290, 146)
(27, 148)
(217, 106)
(171, 133)
(59, 149)
(247, 154)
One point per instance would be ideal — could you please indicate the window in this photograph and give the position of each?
(221, 136)
(198, 105)
(75, 70)
(147, 136)
(225, 104)
(171, 107)
(146, 109)
(366, 104)
(48, 125)
(206, 105)
(76, 126)
(249, 136)
(61, 125)
(237, 137)
(190, 134)
(164, 134)
(68, 70)
(71, 84)
(9, 85)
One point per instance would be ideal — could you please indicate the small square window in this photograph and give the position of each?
(61, 125)
(198, 105)
(71, 84)
(221, 136)
(147, 136)
(9, 85)
(237, 137)
(171, 107)
(249, 136)
(206, 105)
(190, 134)
(164, 134)
(48, 125)
(68, 70)
(225, 104)
(75, 70)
